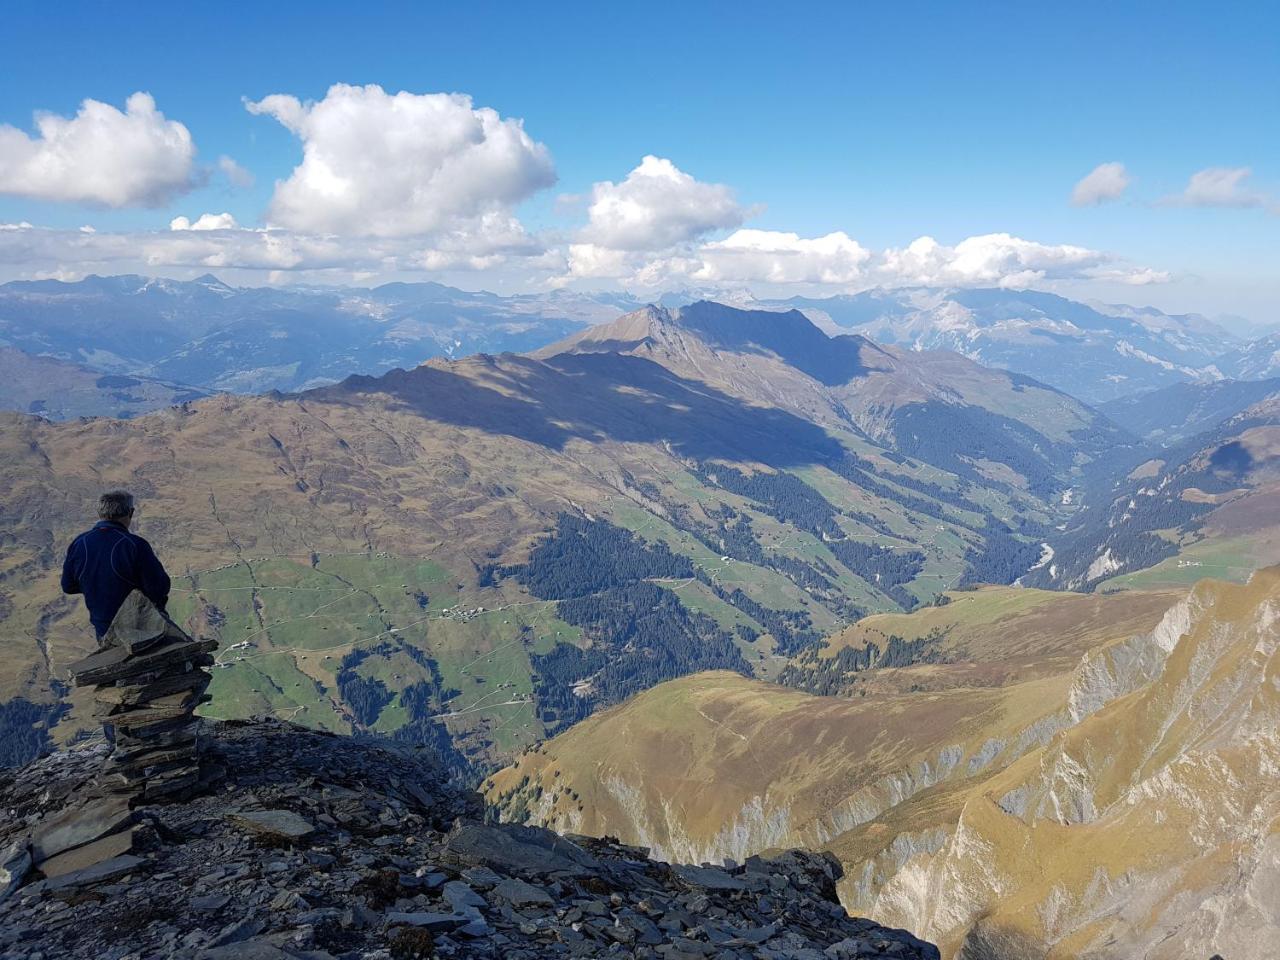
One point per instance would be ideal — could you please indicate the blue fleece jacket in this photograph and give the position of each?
(106, 564)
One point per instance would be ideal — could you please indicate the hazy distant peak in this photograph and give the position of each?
(669, 334)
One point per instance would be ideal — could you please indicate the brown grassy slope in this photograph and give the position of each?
(60, 390)
(716, 765)
(997, 635)
(462, 461)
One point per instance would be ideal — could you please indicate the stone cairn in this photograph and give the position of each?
(149, 678)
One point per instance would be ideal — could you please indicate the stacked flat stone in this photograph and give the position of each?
(150, 677)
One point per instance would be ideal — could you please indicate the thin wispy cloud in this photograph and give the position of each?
(1104, 183)
(236, 175)
(1224, 187)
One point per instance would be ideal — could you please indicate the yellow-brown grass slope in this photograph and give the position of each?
(1123, 806)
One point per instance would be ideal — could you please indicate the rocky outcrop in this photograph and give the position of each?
(316, 846)
(1146, 829)
(149, 677)
(1123, 807)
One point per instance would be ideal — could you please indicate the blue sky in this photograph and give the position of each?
(884, 124)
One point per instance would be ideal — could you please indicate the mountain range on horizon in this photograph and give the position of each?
(204, 335)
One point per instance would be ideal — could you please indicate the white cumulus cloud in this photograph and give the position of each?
(404, 164)
(206, 221)
(1137, 277)
(993, 259)
(646, 226)
(657, 206)
(101, 155)
(770, 256)
(1105, 182)
(837, 261)
(591, 260)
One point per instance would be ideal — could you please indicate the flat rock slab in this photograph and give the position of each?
(115, 663)
(172, 785)
(461, 896)
(143, 725)
(154, 759)
(89, 855)
(260, 948)
(111, 869)
(521, 894)
(139, 624)
(712, 878)
(193, 681)
(79, 826)
(278, 823)
(515, 849)
(154, 738)
(209, 903)
(165, 708)
(431, 922)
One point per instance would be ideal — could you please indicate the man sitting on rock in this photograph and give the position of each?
(107, 563)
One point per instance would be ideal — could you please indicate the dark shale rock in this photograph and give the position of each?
(317, 847)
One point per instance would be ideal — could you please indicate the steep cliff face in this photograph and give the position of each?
(717, 766)
(1124, 808)
(1149, 828)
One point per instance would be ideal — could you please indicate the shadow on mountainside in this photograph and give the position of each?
(595, 397)
(832, 361)
(789, 336)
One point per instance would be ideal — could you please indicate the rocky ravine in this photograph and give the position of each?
(316, 846)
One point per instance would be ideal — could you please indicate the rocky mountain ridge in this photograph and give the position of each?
(838, 380)
(316, 847)
(1122, 808)
(1093, 351)
(1255, 360)
(213, 336)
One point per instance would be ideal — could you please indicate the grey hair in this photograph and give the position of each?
(115, 505)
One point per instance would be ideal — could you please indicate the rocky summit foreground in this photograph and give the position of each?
(318, 846)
